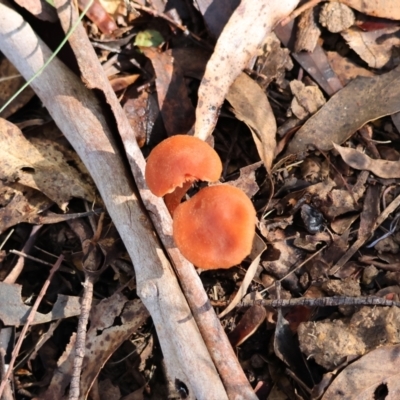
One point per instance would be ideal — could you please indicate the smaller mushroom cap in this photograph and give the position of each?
(180, 159)
(216, 227)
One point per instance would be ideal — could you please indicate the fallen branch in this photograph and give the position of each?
(79, 115)
(221, 351)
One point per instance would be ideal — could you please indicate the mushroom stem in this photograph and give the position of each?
(172, 200)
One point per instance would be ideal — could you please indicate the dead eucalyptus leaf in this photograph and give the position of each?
(374, 47)
(40, 166)
(20, 204)
(348, 110)
(10, 82)
(362, 378)
(176, 108)
(250, 105)
(258, 248)
(358, 160)
(376, 8)
(238, 42)
(345, 68)
(248, 324)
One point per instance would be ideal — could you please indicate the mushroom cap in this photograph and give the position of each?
(180, 159)
(216, 227)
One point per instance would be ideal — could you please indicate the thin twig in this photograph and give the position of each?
(91, 265)
(80, 344)
(38, 260)
(323, 302)
(19, 265)
(28, 323)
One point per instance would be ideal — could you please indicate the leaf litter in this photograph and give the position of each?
(327, 210)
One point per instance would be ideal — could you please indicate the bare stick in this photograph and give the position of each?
(324, 302)
(28, 323)
(213, 334)
(80, 344)
(19, 266)
(91, 264)
(79, 115)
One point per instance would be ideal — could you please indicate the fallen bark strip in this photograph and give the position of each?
(78, 114)
(222, 353)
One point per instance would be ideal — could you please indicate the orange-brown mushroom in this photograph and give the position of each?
(176, 163)
(215, 228)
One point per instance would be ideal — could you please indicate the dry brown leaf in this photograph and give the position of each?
(374, 47)
(239, 41)
(361, 379)
(62, 375)
(376, 8)
(10, 83)
(176, 108)
(250, 105)
(37, 164)
(14, 312)
(347, 111)
(19, 203)
(101, 346)
(247, 179)
(346, 69)
(358, 160)
(248, 324)
(122, 82)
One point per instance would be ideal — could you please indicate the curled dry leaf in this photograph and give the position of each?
(248, 324)
(347, 111)
(345, 68)
(39, 166)
(376, 8)
(358, 160)
(374, 47)
(239, 41)
(250, 105)
(361, 379)
(20, 204)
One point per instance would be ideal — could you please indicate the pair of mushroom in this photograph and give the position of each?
(215, 227)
